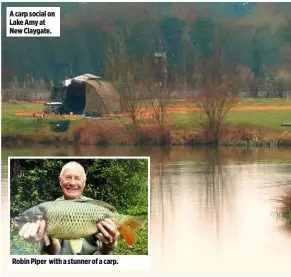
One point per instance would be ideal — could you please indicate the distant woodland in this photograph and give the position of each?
(254, 36)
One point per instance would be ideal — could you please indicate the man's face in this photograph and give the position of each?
(72, 184)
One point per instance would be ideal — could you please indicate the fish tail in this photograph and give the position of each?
(128, 226)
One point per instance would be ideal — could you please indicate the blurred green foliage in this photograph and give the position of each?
(121, 182)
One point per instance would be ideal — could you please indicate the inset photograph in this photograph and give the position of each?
(79, 206)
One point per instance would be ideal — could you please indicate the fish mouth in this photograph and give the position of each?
(15, 222)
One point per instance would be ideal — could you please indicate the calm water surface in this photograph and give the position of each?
(211, 210)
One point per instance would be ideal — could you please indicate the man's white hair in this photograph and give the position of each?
(74, 165)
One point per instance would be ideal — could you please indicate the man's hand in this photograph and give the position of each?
(109, 231)
(33, 231)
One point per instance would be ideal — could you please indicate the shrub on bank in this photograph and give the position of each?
(285, 138)
(153, 134)
(95, 131)
(285, 208)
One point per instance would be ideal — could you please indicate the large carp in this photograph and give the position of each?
(76, 219)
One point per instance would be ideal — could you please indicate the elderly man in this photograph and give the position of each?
(72, 181)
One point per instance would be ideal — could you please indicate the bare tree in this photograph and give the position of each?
(157, 91)
(124, 70)
(217, 84)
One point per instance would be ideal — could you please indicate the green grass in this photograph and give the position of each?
(9, 109)
(14, 125)
(19, 246)
(243, 102)
(187, 121)
(265, 102)
(271, 119)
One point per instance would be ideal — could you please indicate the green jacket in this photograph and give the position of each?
(91, 246)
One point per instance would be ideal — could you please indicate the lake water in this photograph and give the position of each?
(211, 210)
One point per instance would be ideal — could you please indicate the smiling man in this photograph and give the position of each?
(72, 181)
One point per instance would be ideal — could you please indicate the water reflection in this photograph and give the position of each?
(217, 210)
(189, 199)
(217, 194)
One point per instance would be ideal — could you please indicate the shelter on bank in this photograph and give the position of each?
(86, 94)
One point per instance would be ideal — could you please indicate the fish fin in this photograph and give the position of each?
(97, 202)
(46, 239)
(127, 227)
(128, 234)
(76, 245)
(135, 222)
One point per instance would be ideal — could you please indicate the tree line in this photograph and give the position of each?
(255, 36)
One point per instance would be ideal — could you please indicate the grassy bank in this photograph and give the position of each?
(255, 122)
(23, 129)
